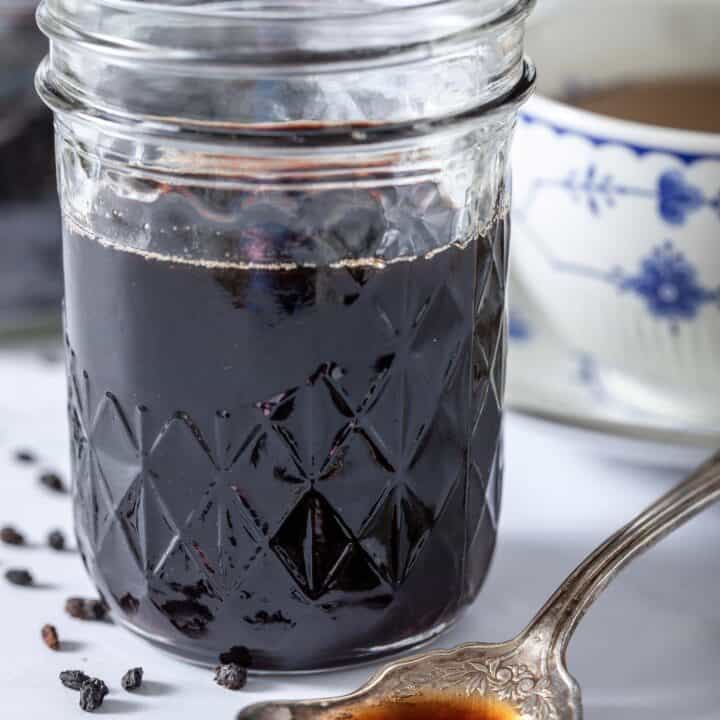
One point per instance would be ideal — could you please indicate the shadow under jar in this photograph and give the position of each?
(285, 247)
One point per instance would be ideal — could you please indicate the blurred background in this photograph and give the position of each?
(30, 252)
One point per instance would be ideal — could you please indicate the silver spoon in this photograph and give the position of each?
(528, 673)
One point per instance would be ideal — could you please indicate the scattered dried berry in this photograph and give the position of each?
(90, 701)
(237, 654)
(18, 576)
(25, 456)
(10, 536)
(231, 676)
(50, 637)
(53, 482)
(92, 694)
(100, 687)
(86, 608)
(56, 540)
(73, 679)
(132, 679)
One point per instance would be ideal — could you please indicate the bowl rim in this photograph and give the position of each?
(604, 129)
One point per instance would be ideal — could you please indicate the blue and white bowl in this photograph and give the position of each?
(617, 224)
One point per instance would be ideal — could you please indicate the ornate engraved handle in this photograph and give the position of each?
(556, 622)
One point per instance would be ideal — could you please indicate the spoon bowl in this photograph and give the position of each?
(521, 674)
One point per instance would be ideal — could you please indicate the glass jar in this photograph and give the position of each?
(285, 246)
(30, 247)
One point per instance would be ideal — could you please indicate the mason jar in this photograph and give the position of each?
(285, 253)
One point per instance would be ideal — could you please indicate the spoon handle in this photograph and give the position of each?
(556, 622)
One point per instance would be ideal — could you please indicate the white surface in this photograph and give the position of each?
(650, 648)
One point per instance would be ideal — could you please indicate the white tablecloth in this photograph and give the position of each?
(649, 648)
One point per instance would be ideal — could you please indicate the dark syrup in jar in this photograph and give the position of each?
(302, 462)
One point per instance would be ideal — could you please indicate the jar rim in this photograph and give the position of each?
(128, 26)
(291, 9)
(322, 83)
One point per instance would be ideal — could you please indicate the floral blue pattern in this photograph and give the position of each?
(669, 285)
(667, 281)
(687, 158)
(677, 198)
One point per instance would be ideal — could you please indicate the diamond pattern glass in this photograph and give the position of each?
(326, 484)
